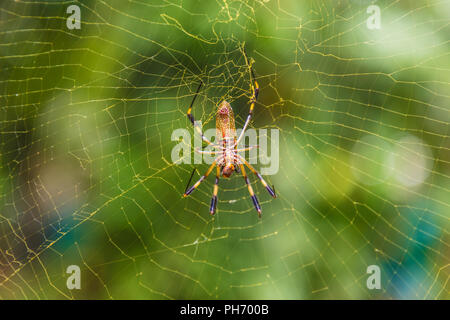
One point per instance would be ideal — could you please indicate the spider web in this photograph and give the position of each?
(85, 163)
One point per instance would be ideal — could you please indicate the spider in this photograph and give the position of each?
(227, 154)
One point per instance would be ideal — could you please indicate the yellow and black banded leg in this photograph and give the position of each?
(255, 93)
(264, 183)
(189, 112)
(191, 117)
(246, 148)
(203, 177)
(250, 190)
(213, 206)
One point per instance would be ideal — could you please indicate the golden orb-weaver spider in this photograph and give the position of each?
(228, 158)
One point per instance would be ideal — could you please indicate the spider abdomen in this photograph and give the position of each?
(225, 127)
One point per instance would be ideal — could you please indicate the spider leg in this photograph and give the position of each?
(255, 90)
(190, 179)
(246, 148)
(191, 117)
(203, 177)
(250, 190)
(264, 183)
(207, 152)
(212, 208)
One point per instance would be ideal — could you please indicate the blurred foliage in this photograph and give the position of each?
(86, 176)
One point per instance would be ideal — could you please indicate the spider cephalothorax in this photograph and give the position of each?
(227, 170)
(226, 151)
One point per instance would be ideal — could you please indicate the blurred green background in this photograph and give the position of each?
(86, 175)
